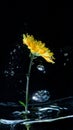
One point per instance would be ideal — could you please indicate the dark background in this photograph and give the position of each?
(48, 23)
(54, 26)
(45, 21)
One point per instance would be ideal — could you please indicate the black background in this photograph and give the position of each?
(46, 22)
(51, 24)
(43, 19)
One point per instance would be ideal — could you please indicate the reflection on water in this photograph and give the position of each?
(60, 109)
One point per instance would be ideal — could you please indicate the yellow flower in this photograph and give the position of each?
(38, 48)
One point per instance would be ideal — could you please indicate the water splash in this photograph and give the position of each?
(49, 112)
(15, 122)
(12, 127)
(41, 96)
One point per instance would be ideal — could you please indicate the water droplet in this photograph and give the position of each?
(12, 68)
(5, 72)
(9, 63)
(20, 81)
(14, 50)
(67, 59)
(44, 71)
(40, 67)
(64, 64)
(6, 75)
(11, 53)
(41, 96)
(12, 57)
(65, 54)
(12, 73)
(19, 46)
(17, 66)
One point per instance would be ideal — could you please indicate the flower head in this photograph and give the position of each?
(38, 48)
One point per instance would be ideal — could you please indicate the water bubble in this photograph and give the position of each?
(67, 59)
(40, 67)
(12, 68)
(10, 63)
(11, 53)
(5, 72)
(12, 57)
(44, 71)
(65, 54)
(64, 64)
(20, 81)
(6, 75)
(12, 73)
(14, 50)
(17, 66)
(41, 96)
(19, 46)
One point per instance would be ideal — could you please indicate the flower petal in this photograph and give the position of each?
(38, 48)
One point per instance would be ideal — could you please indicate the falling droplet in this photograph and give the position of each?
(20, 81)
(40, 67)
(44, 71)
(12, 73)
(65, 54)
(17, 66)
(67, 59)
(5, 72)
(11, 53)
(64, 64)
(18, 46)
(14, 50)
(12, 57)
(9, 63)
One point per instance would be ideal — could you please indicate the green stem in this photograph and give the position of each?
(27, 82)
(27, 127)
(27, 88)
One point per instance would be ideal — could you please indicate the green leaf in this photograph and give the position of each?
(22, 103)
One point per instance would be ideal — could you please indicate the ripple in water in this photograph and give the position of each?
(45, 113)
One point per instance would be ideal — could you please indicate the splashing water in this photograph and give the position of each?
(12, 127)
(42, 113)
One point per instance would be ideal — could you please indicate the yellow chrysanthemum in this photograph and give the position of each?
(38, 48)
